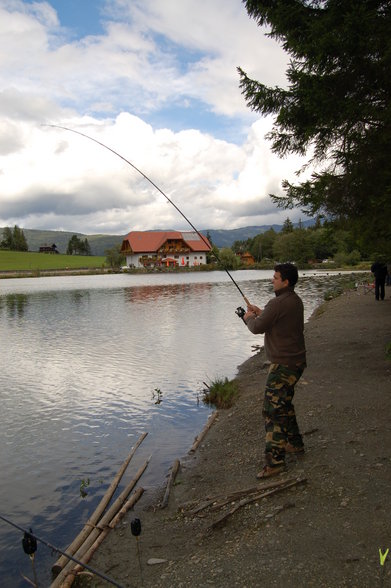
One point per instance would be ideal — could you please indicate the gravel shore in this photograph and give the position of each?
(326, 530)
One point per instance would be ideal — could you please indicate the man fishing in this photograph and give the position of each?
(282, 322)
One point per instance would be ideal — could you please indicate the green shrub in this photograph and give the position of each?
(221, 393)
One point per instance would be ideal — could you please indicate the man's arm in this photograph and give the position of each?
(258, 320)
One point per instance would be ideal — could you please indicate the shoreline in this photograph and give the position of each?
(325, 532)
(40, 273)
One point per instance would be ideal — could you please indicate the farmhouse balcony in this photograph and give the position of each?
(174, 250)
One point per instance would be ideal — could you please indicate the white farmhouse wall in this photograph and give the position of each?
(132, 260)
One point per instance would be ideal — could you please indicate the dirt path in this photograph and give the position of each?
(326, 532)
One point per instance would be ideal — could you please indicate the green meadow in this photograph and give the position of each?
(18, 260)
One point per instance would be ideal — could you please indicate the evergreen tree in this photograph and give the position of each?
(7, 241)
(72, 245)
(19, 240)
(78, 246)
(262, 245)
(14, 240)
(337, 103)
(287, 227)
(86, 247)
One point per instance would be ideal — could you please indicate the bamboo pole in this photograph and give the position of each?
(68, 581)
(201, 436)
(94, 518)
(171, 480)
(105, 520)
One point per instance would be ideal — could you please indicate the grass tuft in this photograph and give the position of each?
(221, 393)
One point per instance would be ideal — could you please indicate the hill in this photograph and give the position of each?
(100, 243)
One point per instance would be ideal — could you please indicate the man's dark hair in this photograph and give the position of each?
(288, 271)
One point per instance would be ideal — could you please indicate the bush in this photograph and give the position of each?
(221, 393)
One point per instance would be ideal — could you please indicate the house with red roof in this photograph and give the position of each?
(165, 249)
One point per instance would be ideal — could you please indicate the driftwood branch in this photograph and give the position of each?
(94, 518)
(254, 499)
(171, 480)
(222, 500)
(201, 436)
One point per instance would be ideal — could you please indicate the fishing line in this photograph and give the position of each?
(32, 535)
(157, 188)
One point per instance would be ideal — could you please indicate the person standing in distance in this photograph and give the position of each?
(282, 322)
(379, 270)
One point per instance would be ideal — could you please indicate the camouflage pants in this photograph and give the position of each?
(279, 413)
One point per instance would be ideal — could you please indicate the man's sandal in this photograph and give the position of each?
(268, 472)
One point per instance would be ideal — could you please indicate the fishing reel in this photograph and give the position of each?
(240, 312)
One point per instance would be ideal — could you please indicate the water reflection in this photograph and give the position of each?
(14, 304)
(153, 293)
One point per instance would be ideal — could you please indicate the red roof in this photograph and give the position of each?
(151, 241)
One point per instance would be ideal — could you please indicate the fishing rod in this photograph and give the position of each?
(30, 546)
(157, 188)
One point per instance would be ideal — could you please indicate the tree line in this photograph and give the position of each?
(15, 240)
(302, 246)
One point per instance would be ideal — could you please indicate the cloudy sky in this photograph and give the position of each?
(156, 80)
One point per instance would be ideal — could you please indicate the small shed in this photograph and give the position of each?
(48, 249)
(247, 258)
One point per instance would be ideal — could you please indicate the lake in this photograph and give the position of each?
(84, 361)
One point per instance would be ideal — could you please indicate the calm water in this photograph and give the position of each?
(83, 362)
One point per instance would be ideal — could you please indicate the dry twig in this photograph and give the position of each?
(254, 499)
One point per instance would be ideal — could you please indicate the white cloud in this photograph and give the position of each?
(68, 177)
(154, 54)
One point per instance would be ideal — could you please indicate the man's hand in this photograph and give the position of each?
(252, 312)
(254, 309)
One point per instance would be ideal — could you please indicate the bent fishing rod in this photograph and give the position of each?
(157, 188)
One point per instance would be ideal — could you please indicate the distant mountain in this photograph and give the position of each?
(227, 237)
(100, 243)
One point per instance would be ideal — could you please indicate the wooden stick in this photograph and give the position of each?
(105, 520)
(253, 499)
(201, 436)
(171, 480)
(238, 494)
(94, 518)
(229, 499)
(68, 581)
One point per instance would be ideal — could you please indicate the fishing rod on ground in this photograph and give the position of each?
(239, 311)
(29, 543)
